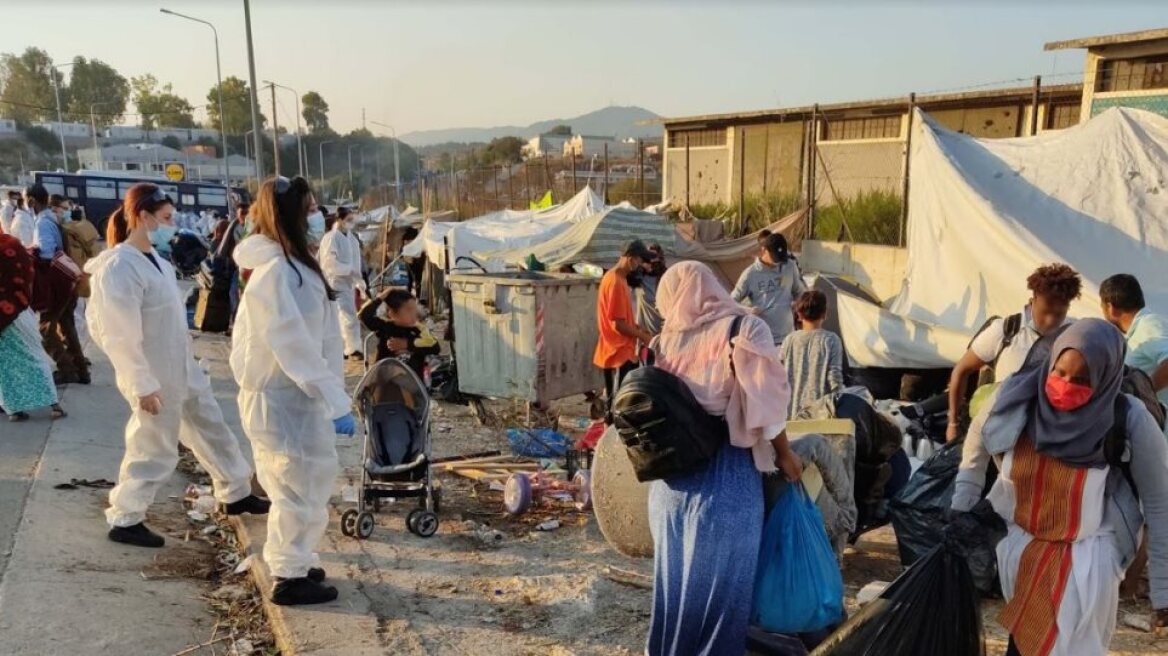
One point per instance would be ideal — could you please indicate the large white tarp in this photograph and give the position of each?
(502, 230)
(983, 214)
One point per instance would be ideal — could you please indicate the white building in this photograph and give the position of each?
(71, 131)
(590, 146)
(152, 159)
(544, 144)
(134, 134)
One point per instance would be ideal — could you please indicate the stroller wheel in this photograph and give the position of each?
(425, 524)
(412, 520)
(517, 494)
(365, 525)
(583, 482)
(349, 523)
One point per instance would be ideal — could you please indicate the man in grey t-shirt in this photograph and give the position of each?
(771, 284)
(646, 292)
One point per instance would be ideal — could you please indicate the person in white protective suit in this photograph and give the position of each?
(287, 358)
(137, 317)
(340, 257)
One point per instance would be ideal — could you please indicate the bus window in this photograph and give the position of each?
(101, 189)
(213, 197)
(73, 192)
(170, 190)
(54, 185)
(123, 187)
(188, 200)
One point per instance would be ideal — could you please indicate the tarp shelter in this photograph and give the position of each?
(502, 230)
(983, 214)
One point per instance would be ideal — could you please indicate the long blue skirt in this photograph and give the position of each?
(706, 528)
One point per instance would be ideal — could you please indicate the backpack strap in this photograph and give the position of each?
(1116, 442)
(1011, 326)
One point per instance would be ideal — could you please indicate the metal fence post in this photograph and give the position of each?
(605, 173)
(641, 171)
(742, 182)
(510, 188)
(1034, 105)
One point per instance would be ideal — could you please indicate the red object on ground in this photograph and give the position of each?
(592, 437)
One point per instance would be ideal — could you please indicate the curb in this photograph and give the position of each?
(277, 619)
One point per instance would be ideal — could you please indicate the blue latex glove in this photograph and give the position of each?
(345, 425)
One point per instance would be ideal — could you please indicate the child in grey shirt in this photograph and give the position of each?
(813, 357)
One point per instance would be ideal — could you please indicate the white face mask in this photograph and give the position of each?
(316, 226)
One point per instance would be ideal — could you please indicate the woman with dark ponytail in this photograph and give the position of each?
(287, 358)
(136, 315)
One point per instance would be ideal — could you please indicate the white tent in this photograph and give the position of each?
(502, 230)
(983, 214)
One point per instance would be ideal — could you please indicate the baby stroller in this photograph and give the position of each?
(395, 408)
(187, 252)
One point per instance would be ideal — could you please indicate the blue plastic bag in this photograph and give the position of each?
(537, 443)
(798, 587)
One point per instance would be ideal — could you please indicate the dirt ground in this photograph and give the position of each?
(543, 592)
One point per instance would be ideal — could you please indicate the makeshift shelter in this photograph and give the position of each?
(983, 214)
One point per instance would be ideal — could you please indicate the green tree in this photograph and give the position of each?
(504, 150)
(171, 141)
(28, 88)
(94, 82)
(560, 131)
(159, 106)
(236, 106)
(315, 112)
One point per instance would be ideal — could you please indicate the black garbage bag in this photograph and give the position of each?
(929, 610)
(975, 535)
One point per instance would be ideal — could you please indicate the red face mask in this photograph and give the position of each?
(1065, 395)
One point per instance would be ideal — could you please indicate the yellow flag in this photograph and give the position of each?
(543, 203)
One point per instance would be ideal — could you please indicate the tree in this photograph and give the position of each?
(504, 150)
(28, 88)
(171, 141)
(159, 106)
(96, 83)
(236, 107)
(560, 131)
(315, 112)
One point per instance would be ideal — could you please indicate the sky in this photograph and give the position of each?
(429, 64)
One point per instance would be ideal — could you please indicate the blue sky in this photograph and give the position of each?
(420, 65)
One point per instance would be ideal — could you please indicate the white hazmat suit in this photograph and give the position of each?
(136, 316)
(286, 356)
(340, 258)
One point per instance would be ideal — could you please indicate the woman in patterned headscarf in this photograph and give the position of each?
(26, 376)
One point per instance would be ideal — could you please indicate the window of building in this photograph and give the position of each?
(850, 129)
(1133, 74)
(133, 166)
(101, 189)
(697, 138)
(188, 200)
(1062, 115)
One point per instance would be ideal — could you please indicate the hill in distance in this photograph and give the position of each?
(614, 121)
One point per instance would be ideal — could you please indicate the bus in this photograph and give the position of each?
(100, 192)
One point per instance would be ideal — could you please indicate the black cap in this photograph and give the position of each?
(38, 193)
(636, 248)
(342, 212)
(776, 245)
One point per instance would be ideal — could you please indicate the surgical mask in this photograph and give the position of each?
(163, 233)
(316, 226)
(1065, 395)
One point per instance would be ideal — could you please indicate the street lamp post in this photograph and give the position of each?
(351, 189)
(299, 143)
(218, 89)
(93, 127)
(396, 161)
(322, 178)
(60, 121)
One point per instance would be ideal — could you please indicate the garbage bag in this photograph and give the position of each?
(538, 443)
(930, 609)
(798, 587)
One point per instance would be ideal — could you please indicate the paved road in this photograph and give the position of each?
(20, 452)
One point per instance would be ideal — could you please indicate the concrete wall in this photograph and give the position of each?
(773, 159)
(985, 122)
(1153, 100)
(853, 167)
(709, 172)
(881, 269)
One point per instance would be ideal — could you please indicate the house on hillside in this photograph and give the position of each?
(544, 144)
(584, 146)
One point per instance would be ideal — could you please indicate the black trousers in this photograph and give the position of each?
(612, 381)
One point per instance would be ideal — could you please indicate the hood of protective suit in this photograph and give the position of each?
(257, 250)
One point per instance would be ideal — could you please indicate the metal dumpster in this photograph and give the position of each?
(525, 335)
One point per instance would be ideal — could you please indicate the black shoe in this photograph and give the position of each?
(84, 378)
(302, 591)
(137, 535)
(251, 504)
(316, 574)
(60, 379)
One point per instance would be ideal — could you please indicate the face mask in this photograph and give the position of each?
(60, 214)
(316, 226)
(350, 224)
(634, 279)
(163, 233)
(1065, 395)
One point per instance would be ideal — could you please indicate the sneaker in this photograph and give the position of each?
(251, 505)
(316, 574)
(137, 535)
(302, 591)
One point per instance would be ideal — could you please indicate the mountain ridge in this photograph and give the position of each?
(615, 121)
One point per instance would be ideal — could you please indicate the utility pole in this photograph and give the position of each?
(362, 118)
(275, 130)
(255, 102)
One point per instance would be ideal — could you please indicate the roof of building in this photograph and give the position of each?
(1109, 39)
(882, 106)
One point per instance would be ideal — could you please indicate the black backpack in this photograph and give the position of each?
(1011, 326)
(664, 429)
(1138, 384)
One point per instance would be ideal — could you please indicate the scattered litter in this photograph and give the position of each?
(497, 485)
(204, 504)
(549, 525)
(625, 577)
(210, 529)
(483, 533)
(574, 423)
(75, 483)
(349, 494)
(231, 592)
(871, 591)
(197, 516)
(537, 443)
(242, 647)
(194, 491)
(245, 564)
(1138, 622)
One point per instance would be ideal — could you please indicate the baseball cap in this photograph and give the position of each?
(776, 245)
(636, 248)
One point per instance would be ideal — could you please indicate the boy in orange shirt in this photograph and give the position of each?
(616, 348)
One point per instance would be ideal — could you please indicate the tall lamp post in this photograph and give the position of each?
(299, 143)
(93, 127)
(352, 192)
(396, 161)
(219, 91)
(60, 121)
(322, 178)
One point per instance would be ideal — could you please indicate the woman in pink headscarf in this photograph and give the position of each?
(707, 526)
